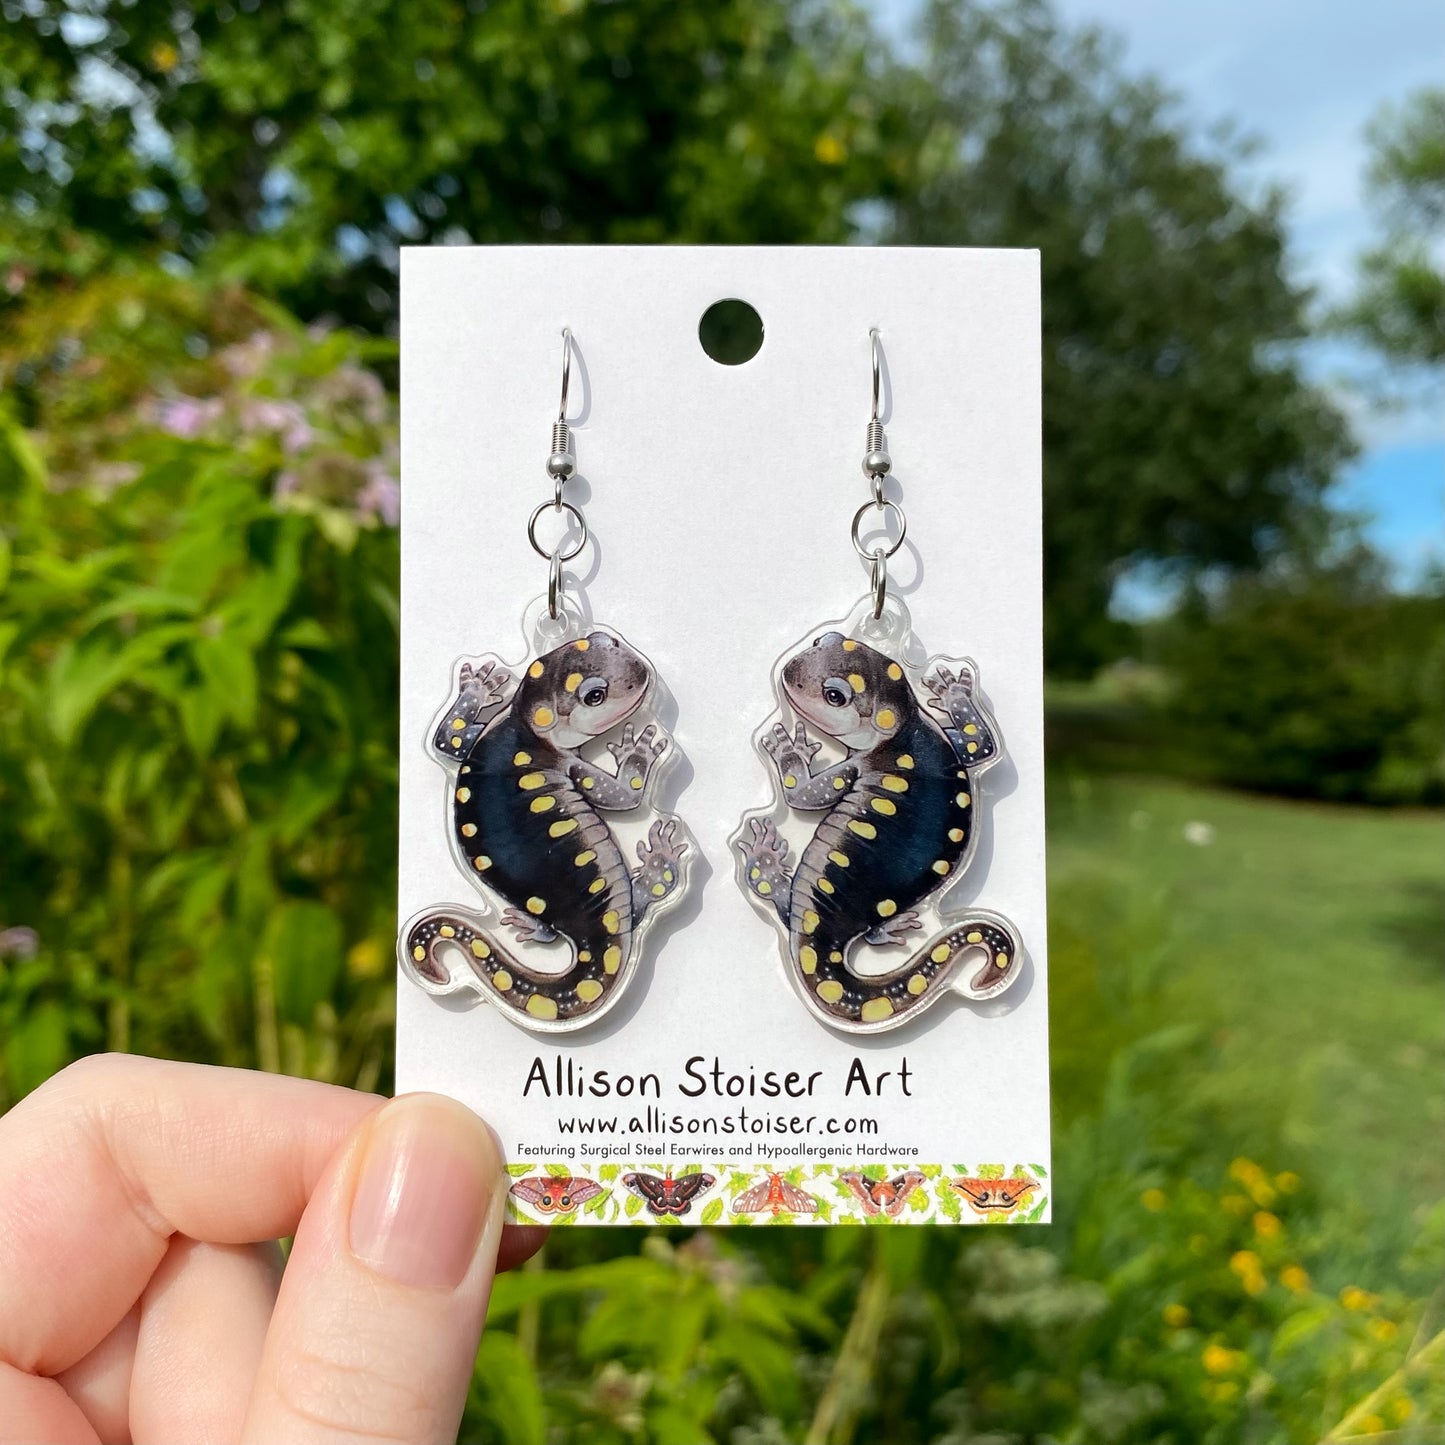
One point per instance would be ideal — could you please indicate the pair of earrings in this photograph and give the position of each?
(553, 768)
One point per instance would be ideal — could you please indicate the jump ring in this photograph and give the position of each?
(879, 582)
(554, 585)
(576, 517)
(885, 506)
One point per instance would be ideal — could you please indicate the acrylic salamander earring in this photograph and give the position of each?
(537, 821)
(894, 796)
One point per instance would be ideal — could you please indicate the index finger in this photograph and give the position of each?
(101, 1165)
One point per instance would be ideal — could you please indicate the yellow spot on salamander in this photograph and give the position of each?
(542, 1008)
(975, 937)
(895, 672)
(573, 682)
(658, 889)
(941, 953)
(1000, 960)
(810, 920)
(841, 859)
(635, 784)
(941, 867)
(562, 827)
(973, 747)
(589, 782)
(840, 781)
(612, 959)
(886, 806)
(830, 990)
(905, 761)
(970, 730)
(894, 784)
(755, 873)
(529, 782)
(917, 984)
(856, 682)
(849, 645)
(458, 724)
(581, 644)
(836, 956)
(447, 931)
(481, 948)
(469, 830)
(887, 908)
(886, 717)
(501, 980)
(863, 830)
(544, 804)
(597, 885)
(667, 875)
(535, 670)
(824, 885)
(521, 759)
(544, 717)
(876, 1010)
(466, 769)
(963, 800)
(610, 920)
(955, 835)
(464, 795)
(589, 990)
(585, 956)
(790, 781)
(808, 958)
(418, 953)
(456, 742)
(481, 862)
(536, 906)
(765, 888)
(584, 857)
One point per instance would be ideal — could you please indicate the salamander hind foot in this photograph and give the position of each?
(765, 864)
(660, 875)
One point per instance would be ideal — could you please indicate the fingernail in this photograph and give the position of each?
(425, 1189)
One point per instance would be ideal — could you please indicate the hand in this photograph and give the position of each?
(141, 1291)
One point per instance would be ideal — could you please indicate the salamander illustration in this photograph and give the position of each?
(528, 822)
(899, 824)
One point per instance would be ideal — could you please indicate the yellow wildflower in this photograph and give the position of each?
(1153, 1200)
(1266, 1225)
(1220, 1359)
(1292, 1277)
(829, 150)
(1355, 1298)
(364, 959)
(1384, 1330)
(1287, 1182)
(164, 57)
(1263, 1193)
(1402, 1409)
(1176, 1316)
(1244, 1261)
(1246, 1171)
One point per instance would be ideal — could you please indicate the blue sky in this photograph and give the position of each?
(1304, 77)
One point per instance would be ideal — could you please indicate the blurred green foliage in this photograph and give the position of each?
(1313, 679)
(1400, 306)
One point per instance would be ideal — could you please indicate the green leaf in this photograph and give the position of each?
(508, 1383)
(712, 1212)
(304, 942)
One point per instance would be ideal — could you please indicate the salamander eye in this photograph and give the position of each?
(592, 692)
(837, 692)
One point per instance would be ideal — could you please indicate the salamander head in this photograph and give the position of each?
(581, 689)
(847, 690)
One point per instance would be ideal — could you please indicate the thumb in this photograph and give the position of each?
(381, 1306)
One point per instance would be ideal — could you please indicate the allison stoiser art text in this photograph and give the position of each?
(702, 1076)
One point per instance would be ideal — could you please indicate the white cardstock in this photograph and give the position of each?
(719, 500)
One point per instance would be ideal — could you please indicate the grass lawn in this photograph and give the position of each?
(1305, 945)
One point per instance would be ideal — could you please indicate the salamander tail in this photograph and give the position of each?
(448, 949)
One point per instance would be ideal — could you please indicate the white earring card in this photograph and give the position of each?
(722, 900)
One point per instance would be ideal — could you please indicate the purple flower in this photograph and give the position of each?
(20, 942)
(187, 416)
(379, 500)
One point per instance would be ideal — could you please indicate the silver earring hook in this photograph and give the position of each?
(567, 376)
(877, 370)
(876, 466)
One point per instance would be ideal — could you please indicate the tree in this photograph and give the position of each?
(1400, 305)
(1177, 426)
(294, 147)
